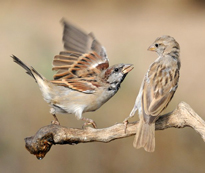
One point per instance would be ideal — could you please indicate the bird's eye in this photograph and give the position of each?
(156, 45)
(116, 69)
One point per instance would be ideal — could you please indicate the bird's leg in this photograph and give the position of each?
(55, 121)
(88, 122)
(132, 113)
(125, 122)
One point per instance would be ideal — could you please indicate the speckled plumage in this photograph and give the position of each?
(157, 90)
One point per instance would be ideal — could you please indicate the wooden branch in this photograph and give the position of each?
(41, 142)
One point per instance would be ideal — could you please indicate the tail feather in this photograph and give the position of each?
(145, 136)
(44, 85)
(29, 70)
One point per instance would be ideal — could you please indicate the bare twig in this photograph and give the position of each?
(41, 142)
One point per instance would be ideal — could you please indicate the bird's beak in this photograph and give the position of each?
(127, 68)
(152, 48)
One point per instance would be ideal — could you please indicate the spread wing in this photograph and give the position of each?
(76, 40)
(160, 84)
(79, 66)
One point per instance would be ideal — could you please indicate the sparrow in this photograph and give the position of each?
(157, 89)
(83, 81)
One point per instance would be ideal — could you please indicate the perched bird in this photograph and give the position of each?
(157, 89)
(84, 81)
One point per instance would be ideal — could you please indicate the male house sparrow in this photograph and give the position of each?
(157, 90)
(84, 81)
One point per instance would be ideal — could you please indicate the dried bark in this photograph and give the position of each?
(41, 142)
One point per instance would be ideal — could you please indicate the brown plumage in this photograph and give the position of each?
(157, 90)
(84, 81)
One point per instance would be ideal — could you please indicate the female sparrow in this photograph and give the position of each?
(157, 90)
(84, 81)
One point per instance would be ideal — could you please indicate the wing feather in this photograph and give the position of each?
(84, 59)
(159, 88)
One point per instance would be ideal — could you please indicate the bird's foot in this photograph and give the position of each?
(55, 121)
(125, 122)
(89, 122)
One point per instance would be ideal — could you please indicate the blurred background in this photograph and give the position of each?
(31, 30)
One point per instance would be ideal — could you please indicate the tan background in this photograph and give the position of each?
(32, 31)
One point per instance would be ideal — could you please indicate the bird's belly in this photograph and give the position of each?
(70, 101)
(75, 101)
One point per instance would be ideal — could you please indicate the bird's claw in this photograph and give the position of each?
(55, 121)
(89, 122)
(125, 122)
